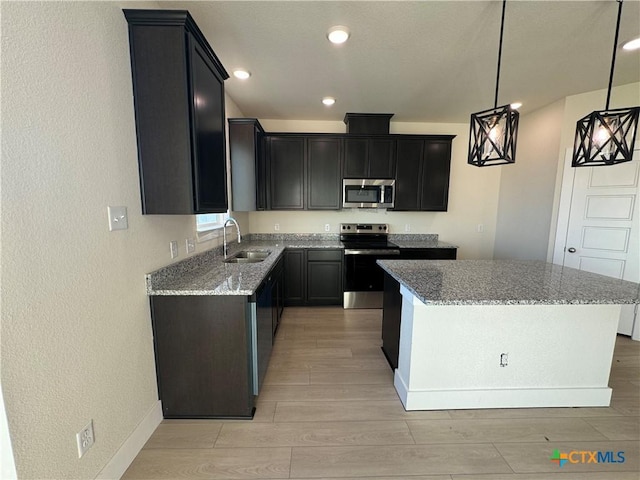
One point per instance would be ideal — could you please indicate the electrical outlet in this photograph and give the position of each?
(173, 245)
(85, 439)
(407, 227)
(190, 245)
(276, 227)
(504, 359)
(327, 227)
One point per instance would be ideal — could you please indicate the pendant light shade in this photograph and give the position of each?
(606, 137)
(493, 135)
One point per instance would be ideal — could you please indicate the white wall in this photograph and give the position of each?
(527, 187)
(76, 338)
(473, 196)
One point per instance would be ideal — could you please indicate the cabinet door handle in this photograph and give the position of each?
(571, 250)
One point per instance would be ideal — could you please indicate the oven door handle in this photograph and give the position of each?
(372, 251)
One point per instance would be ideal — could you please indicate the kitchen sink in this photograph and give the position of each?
(248, 256)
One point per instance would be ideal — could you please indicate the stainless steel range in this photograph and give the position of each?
(365, 243)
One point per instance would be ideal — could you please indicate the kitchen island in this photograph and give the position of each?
(503, 334)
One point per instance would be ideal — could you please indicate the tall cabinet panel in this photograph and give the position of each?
(324, 168)
(208, 132)
(287, 172)
(178, 90)
(246, 137)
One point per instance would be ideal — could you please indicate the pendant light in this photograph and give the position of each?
(492, 140)
(606, 137)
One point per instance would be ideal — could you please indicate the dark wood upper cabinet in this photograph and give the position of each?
(434, 194)
(286, 165)
(324, 173)
(408, 170)
(422, 173)
(304, 171)
(178, 90)
(369, 157)
(355, 158)
(248, 185)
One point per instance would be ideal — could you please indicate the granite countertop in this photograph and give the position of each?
(207, 274)
(418, 240)
(504, 282)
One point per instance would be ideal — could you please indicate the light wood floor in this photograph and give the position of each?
(328, 409)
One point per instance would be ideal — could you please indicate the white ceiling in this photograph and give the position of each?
(427, 61)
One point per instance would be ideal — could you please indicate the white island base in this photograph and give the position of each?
(504, 356)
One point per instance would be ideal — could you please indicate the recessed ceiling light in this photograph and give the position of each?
(328, 101)
(241, 74)
(338, 34)
(632, 44)
(516, 105)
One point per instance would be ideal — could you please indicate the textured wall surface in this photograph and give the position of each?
(76, 331)
(473, 196)
(527, 187)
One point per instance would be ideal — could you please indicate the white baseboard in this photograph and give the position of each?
(132, 445)
(501, 398)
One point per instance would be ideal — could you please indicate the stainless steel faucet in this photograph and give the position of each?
(224, 234)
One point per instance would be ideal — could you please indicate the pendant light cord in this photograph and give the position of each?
(504, 5)
(613, 57)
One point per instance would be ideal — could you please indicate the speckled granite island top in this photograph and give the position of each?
(207, 274)
(502, 282)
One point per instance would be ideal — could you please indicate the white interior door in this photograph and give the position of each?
(602, 227)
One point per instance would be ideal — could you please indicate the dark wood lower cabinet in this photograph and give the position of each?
(392, 299)
(324, 277)
(295, 274)
(391, 314)
(203, 352)
(313, 277)
(206, 363)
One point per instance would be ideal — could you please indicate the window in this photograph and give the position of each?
(207, 224)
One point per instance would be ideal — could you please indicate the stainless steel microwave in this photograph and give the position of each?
(368, 193)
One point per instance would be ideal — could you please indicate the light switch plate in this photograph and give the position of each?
(117, 218)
